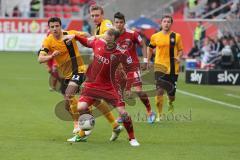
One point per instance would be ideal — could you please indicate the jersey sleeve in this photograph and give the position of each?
(45, 47)
(137, 38)
(86, 41)
(91, 43)
(78, 33)
(179, 43)
(152, 43)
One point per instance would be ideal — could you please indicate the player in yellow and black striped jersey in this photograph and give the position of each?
(169, 50)
(68, 60)
(101, 24)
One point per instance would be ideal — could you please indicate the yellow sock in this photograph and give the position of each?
(74, 111)
(159, 105)
(104, 108)
(81, 133)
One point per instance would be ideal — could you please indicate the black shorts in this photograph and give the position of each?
(76, 78)
(167, 82)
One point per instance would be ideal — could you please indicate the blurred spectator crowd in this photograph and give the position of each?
(217, 53)
(210, 9)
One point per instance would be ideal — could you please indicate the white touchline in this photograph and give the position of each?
(232, 95)
(208, 99)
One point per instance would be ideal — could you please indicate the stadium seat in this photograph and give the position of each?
(75, 8)
(82, 1)
(74, 2)
(59, 15)
(48, 8)
(67, 8)
(58, 8)
(67, 15)
(48, 14)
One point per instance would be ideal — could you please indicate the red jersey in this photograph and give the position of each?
(100, 76)
(128, 41)
(102, 69)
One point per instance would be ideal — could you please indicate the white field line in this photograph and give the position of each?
(233, 95)
(208, 99)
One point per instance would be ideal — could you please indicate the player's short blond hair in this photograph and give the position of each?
(95, 7)
(113, 32)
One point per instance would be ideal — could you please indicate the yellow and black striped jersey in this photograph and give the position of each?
(165, 56)
(69, 61)
(103, 27)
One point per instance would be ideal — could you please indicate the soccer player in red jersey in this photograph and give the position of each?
(128, 40)
(100, 83)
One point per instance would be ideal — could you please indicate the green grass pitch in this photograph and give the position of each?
(30, 130)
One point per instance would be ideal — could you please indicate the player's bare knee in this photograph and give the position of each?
(82, 106)
(160, 91)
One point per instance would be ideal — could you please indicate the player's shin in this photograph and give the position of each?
(74, 112)
(171, 99)
(144, 98)
(159, 105)
(127, 122)
(105, 109)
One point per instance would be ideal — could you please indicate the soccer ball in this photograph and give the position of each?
(86, 122)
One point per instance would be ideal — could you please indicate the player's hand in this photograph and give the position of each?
(177, 60)
(144, 66)
(68, 38)
(55, 53)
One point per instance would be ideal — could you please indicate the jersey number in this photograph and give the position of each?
(75, 77)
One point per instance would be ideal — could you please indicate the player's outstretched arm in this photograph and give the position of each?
(82, 39)
(144, 51)
(149, 55)
(44, 57)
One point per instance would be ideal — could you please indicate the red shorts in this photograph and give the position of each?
(133, 79)
(51, 65)
(90, 94)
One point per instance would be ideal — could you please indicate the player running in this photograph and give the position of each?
(100, 82)
(169, 50)
(128, 40)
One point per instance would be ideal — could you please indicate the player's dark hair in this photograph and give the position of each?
(55, 19)
(95, 7)
(167, 16)
(119, 15)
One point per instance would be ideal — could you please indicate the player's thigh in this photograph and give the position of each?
(163, 82)
(85, 102)
(71, 89)
(74, 84)
(173, 80)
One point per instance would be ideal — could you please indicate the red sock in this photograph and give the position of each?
(56, 77)
(145, 101)
(127, 122)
